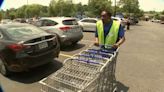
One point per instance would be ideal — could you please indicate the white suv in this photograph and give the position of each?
(88, 24)
(66, 28)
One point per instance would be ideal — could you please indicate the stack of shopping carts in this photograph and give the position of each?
(92, 70)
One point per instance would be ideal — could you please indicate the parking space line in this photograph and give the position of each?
(69, 56)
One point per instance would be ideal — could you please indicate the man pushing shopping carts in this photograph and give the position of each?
(108, 31)
(93, 69)
(109, 35)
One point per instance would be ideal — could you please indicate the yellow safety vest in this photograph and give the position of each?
(112, 36)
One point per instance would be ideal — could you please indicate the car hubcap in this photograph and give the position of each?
(2, 68)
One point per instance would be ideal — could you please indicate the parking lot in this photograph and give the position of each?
(139, 66)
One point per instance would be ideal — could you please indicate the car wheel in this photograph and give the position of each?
(58, 37)
(82, 29)
(75, 43)
(3, 69)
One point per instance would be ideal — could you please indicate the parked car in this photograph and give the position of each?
(121, 20)
(20, 20)
(88, 24)
(133, 20)
(162, 22)
(23, 46)
(66, 28)
(155, 20)
(5, 21)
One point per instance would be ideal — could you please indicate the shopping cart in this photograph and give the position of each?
(91, 70)
(74, 76)
(96, 54)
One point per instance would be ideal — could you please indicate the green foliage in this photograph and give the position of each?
(96, 6)
(35, 10)
(67, 8)
(152, 12)
(162, 12)
(1, 16)
(10, 13)
(61, 8)
(79, 8)
(27, 11)
(157, 16)
(21, 11)
(130, 6)
(140, 13)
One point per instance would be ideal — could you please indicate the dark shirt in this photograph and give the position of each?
(107, 27)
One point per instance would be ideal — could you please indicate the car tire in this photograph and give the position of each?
(82, 29)
(75, 43)
(58, 37)
(3, 70)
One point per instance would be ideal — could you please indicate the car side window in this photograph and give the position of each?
(49, 23)
(92, 21)
(38, 23)
(89, 21)
(86, 20)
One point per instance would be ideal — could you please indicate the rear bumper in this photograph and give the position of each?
(65, 40)
(25, 63)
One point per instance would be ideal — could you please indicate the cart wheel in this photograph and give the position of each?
(75, 43)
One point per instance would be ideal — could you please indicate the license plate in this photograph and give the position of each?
(43, 45)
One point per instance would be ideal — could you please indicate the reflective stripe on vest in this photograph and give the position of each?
(112, 36)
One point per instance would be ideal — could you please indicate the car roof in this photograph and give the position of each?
(14, 24)
(89, 18)
(58, 18)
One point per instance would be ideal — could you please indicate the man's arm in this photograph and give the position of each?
(96, 38)
(120, 41)
(121, 37)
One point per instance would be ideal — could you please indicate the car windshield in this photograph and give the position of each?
(70, 22)
(23, 31)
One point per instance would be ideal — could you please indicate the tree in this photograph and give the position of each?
(33, 10)
(152, 12)
(10, 13)
(79, 8)
(140, 14)
(96, 6)
(162, 12)
(61, 8)
(21, 12)
(156, 16)
(130, 6)
(44, 11)
(1, 16)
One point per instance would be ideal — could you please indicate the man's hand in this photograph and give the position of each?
(96, 44)
(121, 40)
(115, 46)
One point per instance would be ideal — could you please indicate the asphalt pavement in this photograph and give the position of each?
(139, 66)
(140, 62)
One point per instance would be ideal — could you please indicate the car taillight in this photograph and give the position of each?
(65, 28)
(16, 47)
